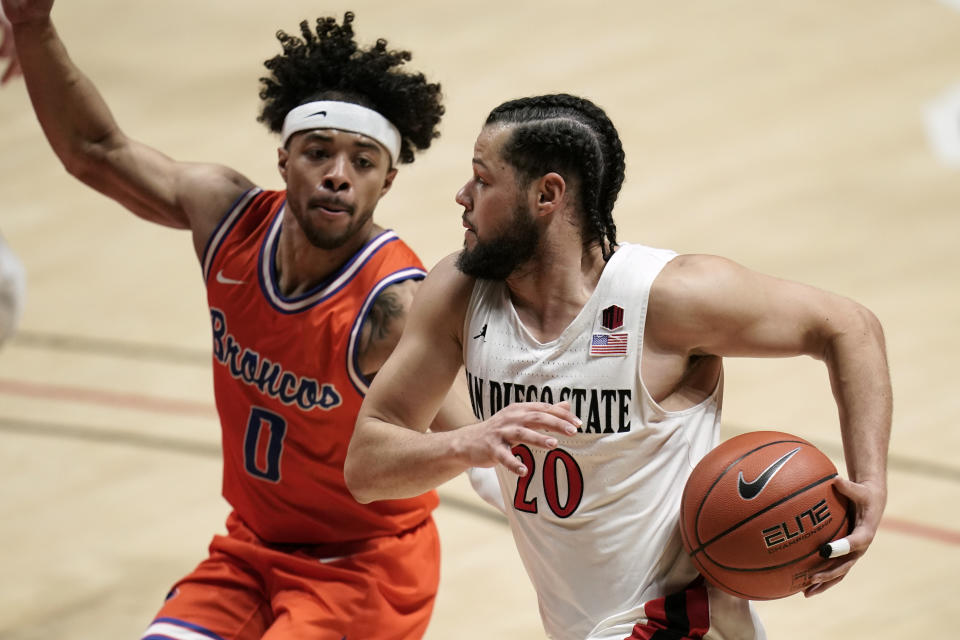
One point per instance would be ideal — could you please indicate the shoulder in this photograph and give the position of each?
(393, 302)
(440, 306)
(384, 324)
(638, 264)
(685, 275)
(446, 286)
(397, 249)
(688, 295)
(208, 193)
(425, 302)
(435, 306)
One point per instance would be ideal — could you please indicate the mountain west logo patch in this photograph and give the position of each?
(612, 318)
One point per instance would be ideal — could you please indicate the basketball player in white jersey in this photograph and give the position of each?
(595, 371)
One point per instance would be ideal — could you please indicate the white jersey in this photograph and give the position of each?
(596, 520)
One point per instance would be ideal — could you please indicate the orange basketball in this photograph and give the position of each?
(756, 511)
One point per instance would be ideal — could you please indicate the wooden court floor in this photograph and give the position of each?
(788, 136)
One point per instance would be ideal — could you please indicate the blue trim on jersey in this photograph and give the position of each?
(267, 264)
(353, 348)
(231, 218)
(186, 625)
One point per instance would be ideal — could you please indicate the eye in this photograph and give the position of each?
(316, 153)
(364, 163)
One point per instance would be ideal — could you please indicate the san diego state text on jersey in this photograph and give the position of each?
(602, 410)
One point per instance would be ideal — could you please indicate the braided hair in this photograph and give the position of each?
(328, 65)
(573, 137)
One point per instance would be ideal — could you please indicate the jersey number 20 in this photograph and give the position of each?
(551, 482)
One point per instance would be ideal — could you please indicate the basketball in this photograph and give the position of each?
(756, 510)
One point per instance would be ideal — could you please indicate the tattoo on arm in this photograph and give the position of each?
(380, 331)
(383, 325)
(386, 308)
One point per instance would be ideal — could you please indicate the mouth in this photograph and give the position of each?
(470, 235)
(330, 207)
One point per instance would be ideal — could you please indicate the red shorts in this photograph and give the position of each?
(379, 589)
(684, 615)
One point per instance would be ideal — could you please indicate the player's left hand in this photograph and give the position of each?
(868, 499)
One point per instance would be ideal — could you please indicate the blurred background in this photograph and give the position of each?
(815, 141)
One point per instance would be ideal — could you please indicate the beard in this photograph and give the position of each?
(497, 258)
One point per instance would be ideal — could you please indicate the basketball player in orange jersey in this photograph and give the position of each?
(307, 297)
(595, 371)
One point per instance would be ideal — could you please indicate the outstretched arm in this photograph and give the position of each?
(391, 454)
(84, 135)
(707, 305)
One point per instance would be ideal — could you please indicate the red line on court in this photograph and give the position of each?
(920, 530)
(142, 402)
(117, 399)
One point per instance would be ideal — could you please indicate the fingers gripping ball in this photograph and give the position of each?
(756, 510)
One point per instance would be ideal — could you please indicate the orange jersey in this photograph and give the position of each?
(287, 384)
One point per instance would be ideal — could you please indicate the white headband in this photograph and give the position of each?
(346, 116)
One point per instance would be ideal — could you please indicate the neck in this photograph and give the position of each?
(549, 291)
(302, 266)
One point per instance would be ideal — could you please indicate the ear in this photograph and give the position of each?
(550, 192)
(282, 157)
(388, 181)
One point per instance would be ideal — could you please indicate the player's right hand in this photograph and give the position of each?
(489, 443)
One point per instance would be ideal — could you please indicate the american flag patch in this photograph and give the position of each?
(608, 344)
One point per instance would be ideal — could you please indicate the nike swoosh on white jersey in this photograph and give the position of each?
(222, 279)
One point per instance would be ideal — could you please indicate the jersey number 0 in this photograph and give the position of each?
(263, 444)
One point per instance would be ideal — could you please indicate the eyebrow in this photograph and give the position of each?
(364, 143)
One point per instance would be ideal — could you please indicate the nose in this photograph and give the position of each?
(462, 199)
(336, 177)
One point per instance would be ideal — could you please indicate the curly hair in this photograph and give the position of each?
(329, 65)
(573, 137)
